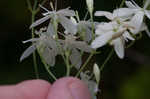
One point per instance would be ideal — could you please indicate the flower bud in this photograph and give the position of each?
(96, 72)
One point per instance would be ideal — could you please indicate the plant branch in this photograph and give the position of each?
(107, 59)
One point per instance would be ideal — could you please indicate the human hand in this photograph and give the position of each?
(64, 88)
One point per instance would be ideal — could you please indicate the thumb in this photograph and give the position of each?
(69, 88)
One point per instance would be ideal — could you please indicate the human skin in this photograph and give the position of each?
(64, 88)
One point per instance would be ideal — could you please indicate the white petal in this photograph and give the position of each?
(132, 4)
(103, 28)
(104, 13)
(28, 52)
(49, 56)
(147, 2)
(147, 13)
(145, 28)
(40, 21)
(69, 26)
(136, 22)
(50, 30)
(127, 35)
(123, 12)
(31, 40)
(75, 58)
(82, 46)
(102, 40)
(119, 47)
(66, 12)
(148, 32)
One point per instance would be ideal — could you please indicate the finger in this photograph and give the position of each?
(33, 89)
(69, 88)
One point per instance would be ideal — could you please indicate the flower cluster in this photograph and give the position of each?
(124, 24)
(68, 36)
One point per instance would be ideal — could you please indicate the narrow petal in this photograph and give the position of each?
(75, 59)
(123, 12)
(119, 47)
(104, 13)
(145, 28)
(147, 13)
(69, 26)
(40, 21)
(82, 46)
(102, 40)
(66, 12)
(28, 52)
(50, 30)
(136, 22)
(127, 36)
(132, 4)
(31, 40)
(147, 2)
(49, 56)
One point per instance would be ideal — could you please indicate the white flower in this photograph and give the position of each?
(83, 29)
(113, 33)
(121, 13)
(46, 46)
(74, 47)
(59, 16)
(138, 17)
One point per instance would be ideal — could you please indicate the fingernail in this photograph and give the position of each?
(79, 90)
(69, 88)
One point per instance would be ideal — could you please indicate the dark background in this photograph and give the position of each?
(121, 79)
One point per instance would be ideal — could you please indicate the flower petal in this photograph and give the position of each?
(136, 22)
(127, 36)
(102, 40)
(104, 13)
(147, 13)
(145, 28)
(119, 47)
(40, 21)
(103, 28)
(75, 59)
(50, 29)
(82, 46)
(69, 26)
(123, 12)
(66, 12)
(132, 4)
(28, 52)
(49, 56)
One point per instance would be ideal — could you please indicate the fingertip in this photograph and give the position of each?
(33, 89)
(69, 88)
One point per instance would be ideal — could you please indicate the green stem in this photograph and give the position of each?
(122, 3)
(33, 12)
(46, 66)
(50, 73)
(93, 35)
(107, 59)
(34, 54)
(85, 64)
(67, 64)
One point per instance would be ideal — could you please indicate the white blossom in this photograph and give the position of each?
(113, 33)
(138, 17)
(59, 16)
